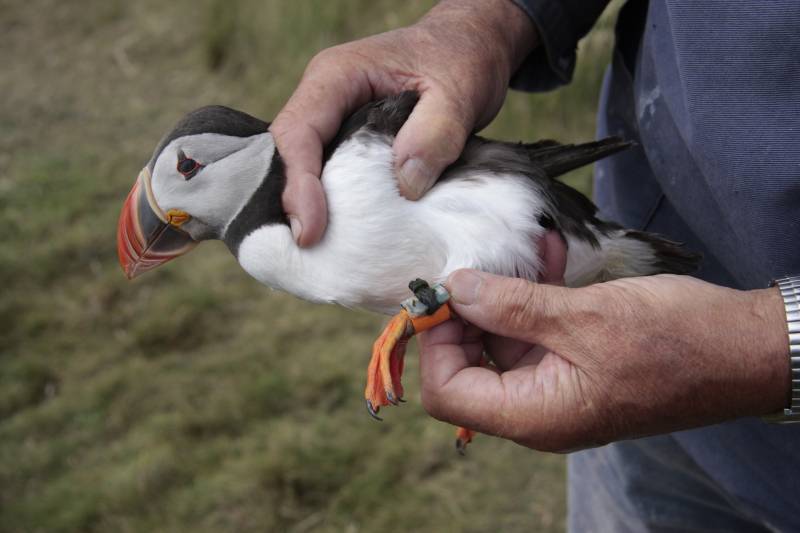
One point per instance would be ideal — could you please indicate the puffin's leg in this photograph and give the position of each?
(465, 435)
(386, 366)
(396, 362)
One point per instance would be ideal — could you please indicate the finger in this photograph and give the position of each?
(510, 307)
(511, 354)
(300, 144)
(472, 333)
(455, 332)
(455, 391)
(304, 202)
(504, 351)
(533, 356)
(330, 90)
(432, 138)
(481, 398)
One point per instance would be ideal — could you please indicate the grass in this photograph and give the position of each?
(195, 399)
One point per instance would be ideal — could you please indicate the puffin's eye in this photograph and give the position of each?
(188, 167)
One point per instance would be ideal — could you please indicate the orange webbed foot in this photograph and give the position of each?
(386, 366)
(427, 309)
(465, 435)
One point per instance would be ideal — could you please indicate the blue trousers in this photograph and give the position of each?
(649, 485)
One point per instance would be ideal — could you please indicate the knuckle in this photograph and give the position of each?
(433, 403)
(445, 140)
(336, 60)
(280, 128)
(285, 127)
(324, 58)
(454, 134)
(517, 302)
(574, 435)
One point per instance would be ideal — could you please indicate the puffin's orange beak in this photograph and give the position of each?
(146, 236)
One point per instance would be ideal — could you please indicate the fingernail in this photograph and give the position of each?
(297, 227)
(464, 287)
(416, 177)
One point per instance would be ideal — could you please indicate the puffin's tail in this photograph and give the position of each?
(556, 158)
(624, 253)
(599, 250)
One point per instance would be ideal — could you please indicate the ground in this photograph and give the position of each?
(194, 399)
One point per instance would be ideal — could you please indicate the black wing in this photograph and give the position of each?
(385, 117)
(540, 161)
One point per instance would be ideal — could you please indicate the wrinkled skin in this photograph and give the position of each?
(582, 367)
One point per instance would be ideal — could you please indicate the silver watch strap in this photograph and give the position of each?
(790, 291)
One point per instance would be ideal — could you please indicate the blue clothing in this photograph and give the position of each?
(711, 92)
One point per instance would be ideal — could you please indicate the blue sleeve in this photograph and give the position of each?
(561, 24)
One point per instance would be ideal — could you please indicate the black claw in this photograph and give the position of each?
(373, 412)
(461, 447)
(401, 400)
(390, 397)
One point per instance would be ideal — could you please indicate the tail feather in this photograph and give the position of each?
(623, 253)
(598, 250)
(556, 159)
(670, 257)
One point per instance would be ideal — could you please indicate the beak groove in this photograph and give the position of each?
(145, 239)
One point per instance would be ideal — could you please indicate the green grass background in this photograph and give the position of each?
(195, 399)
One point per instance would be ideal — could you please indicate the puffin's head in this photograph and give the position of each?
(200, 176)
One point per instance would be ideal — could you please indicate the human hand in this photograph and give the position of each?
(582, 367)
(459, 58)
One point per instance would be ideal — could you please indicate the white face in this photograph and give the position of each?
(230, 170)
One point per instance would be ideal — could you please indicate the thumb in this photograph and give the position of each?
(432, 138)
(510, 307)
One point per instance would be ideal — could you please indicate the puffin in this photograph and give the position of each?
(218, 175)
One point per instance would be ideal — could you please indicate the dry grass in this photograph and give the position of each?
(195, 399)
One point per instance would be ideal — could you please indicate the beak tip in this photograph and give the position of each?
(131, 267)
(126, 268)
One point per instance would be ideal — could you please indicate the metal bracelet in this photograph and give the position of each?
(790, 292)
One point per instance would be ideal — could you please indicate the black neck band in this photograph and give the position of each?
(263, 208)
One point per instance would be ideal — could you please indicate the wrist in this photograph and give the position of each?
(769, 327)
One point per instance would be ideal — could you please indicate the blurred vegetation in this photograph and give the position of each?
(195, 399)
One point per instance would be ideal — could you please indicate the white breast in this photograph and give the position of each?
(377, 241)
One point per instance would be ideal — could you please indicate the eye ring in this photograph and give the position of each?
(187, 166)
